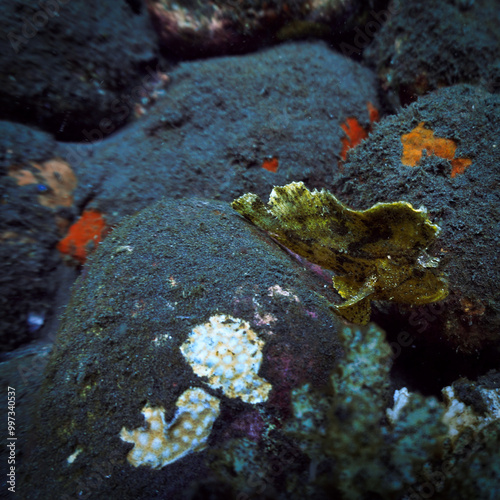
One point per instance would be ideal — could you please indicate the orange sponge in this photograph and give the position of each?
(56, 176)
(421, 138)
(354, 132)
(271, 164)
(83, 235)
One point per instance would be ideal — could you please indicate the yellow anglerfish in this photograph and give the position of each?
(376, 254)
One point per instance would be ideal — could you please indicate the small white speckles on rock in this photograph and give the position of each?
(73, 456)
(158, 444)
(229, 354)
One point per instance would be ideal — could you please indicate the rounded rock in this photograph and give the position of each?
(120, 355)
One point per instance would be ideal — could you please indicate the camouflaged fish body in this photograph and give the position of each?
(377, 254)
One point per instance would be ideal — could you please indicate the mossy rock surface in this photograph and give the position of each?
(67, 66)
(456, 133)
(155, 278)
(423, 47)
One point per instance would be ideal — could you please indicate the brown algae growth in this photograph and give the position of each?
(377, 254)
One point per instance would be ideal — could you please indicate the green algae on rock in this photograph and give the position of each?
(379, 253)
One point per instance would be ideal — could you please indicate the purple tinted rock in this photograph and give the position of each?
(464, 202)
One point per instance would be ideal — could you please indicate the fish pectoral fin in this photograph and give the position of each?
(358, 313)
(346, 287)
(357, 307)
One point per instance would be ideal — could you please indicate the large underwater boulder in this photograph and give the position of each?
(423, 47)
(36, 187)
(188, 328)
(199, 359)
(67, 67)
(228, 125)
(196, 29)
(222, 127)
(442, 153)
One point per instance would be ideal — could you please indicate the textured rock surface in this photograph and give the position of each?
(426, 46)
(155, 279)
(33, 280)
(147, 367)
(222, 119)
(464, 205)
(211, 135)
(66, 66)
(193, 29)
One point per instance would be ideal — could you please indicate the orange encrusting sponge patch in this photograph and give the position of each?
(271, 164)
(55, 174)
(83, 235)
(421, 138)
(354, 132)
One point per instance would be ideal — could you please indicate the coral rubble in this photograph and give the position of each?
(420, 444)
